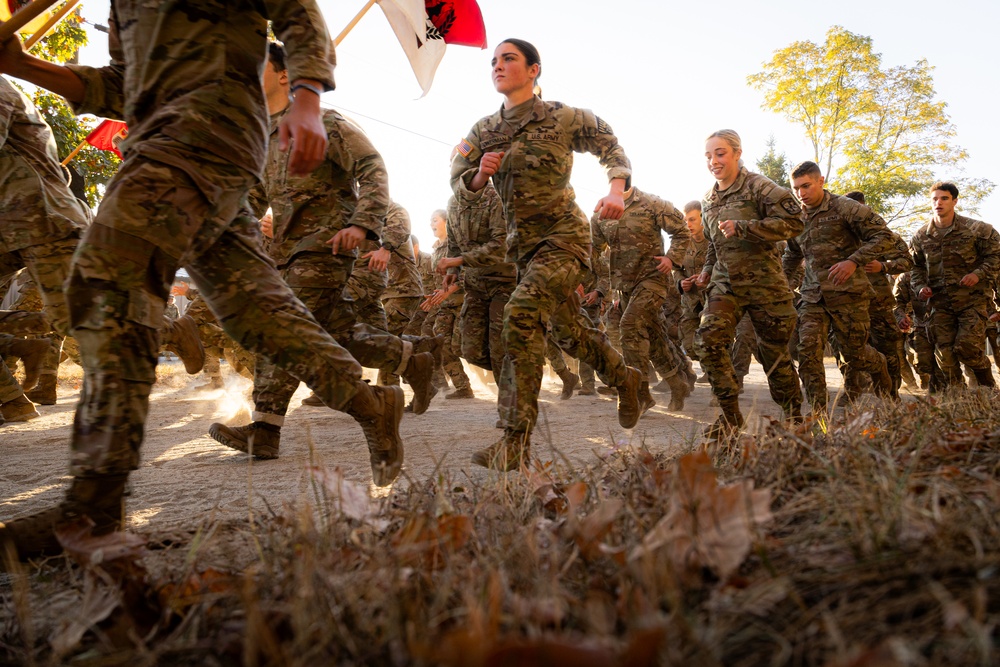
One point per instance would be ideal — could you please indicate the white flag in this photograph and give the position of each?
(421, 41)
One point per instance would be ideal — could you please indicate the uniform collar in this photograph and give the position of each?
(737, 185)
(823, 205)
(538, 112)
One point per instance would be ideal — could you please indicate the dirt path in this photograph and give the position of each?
(185, 475)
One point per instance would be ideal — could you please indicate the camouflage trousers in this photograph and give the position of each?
(849, 323)
(613, 323)
(691, 307)
(885, 336)
(399, 312)
(644, 331)
(481, 324)
(586, 373)
(744, 344)
(48, 264)
(543, 297)
(10, 388)
(446, 324)
(154, 218)
(367, 299)
(773, 324)
(217, 343)
(959, 338)
(318, 280)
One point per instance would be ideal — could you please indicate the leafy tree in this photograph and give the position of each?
(774, 166)
(96, 166)
(874, 129)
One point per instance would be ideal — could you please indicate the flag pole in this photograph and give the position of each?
(23, 17)
(75, 151)
(50, 24)
(354, 22)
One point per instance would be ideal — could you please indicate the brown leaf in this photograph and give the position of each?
(545, 652)
(424, 540)
(707, 525)
(181, 596)
(351, 498)
(589, 531)
(80, 544)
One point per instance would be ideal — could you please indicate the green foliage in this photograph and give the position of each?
(874, 129)
(774, 166)
(96, 166)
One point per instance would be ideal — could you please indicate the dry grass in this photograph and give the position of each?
(881, 547)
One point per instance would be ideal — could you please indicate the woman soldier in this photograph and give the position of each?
(745, 215)
(527, 150)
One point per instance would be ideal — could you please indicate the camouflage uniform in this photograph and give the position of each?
(547, 238)
(404, 291)
(919, 338)
(217, 342)
(941, 258)
(445, 323)
(747, 277)
(197, 142)
(634, 241)
(838, 229)
(40, 218)
(350, 187)
(692, 302)
(426, 269)
(365, 288)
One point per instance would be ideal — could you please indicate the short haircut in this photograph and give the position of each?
(807, 168)
(856, 195)
(276, 56)
(692, 206)
(946, 186)
(440, 213)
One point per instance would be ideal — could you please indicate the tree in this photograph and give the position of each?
(873, 129)
(96, 166)
(774, 166)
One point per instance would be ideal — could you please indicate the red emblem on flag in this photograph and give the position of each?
(108, 136)
(458, 21)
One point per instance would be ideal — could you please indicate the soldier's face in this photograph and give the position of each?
(439, 227)
(723, 161)
(274, 82)
(809, 190)
(510, 70)
(693, 220)
(943, 203)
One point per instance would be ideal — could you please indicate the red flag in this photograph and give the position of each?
(108, 136)
(458, 21)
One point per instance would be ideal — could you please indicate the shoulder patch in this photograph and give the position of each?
(791, 206)
(603, 127)
(464, 148)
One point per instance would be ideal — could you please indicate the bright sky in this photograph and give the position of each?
(663, 75)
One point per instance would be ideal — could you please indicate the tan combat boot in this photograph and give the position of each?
(257, 439)
(508, 453)
(44, 392)
(569, 380)
(32, 353)
(679, 390)
(646, 400)
(379, 410)
(19, 410)
(181, 337)
(729, 423)
(419, 374)
(628, 398)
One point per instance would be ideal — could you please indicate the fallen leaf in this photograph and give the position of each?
(546, 652)
(97, 604)
(424, 540)
(351, 498)
(589, 531)
(707, 525)
(80, 544)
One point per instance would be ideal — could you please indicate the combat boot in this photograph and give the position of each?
(729, 423)
(19, 410)
(432, 344)
(646, 400)
(628, 398)
(883, 385)
(44, 392)
(662, 387)
(99, 498)
(679, 390)
(314, 401)
(212, 384)
(419, 374)
(984, 376)
(258, 439)
(379, 410)
(569, 380)
(461, 392)
(181, 337)
(607, 391)
(32, 353)
(508, 453)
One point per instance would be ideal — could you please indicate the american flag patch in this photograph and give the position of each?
(464, 147)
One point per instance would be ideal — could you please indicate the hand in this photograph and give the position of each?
(378, 260)
(664, 265)
(703, 279)
(925, 293)
(347, 239)
(970, 280)
(995, 317)
(841, 271)
(590, 298)
(448, 263)
(906, 323)
(303, 129)
(449, 280)
(688, 283)
(180, 289)
(728, 228)
(873, 266)
(12, 56)
(611, 207)
(267, 225)
(439, 296)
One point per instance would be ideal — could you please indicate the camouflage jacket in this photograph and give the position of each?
(350, 187)
(635, 239)
(942, 257)
(838, 229)
(36, 204)
(404, 278)
(694, 261)
(748, 265)
(895, 262)
(370, 282)
(908, 302)
(533, 180)
(477, 233)
(189, 73)
(425, 265)
(440, 252)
